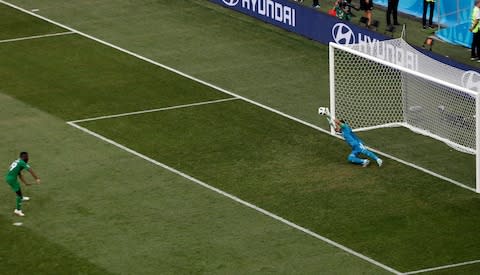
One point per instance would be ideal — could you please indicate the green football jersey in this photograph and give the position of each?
(16, 167)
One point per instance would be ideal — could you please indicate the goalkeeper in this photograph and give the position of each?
(353, 141)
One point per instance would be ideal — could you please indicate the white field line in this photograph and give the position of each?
(36, 36)
(227, 92)
(442, 267)
(236, 199)
(155, 110)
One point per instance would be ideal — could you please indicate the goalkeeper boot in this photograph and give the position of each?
(366, 162)
(379, 162)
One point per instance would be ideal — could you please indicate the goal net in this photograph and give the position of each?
(391, 84)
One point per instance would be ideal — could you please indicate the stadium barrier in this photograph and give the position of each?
(454, 15)
(316, 25)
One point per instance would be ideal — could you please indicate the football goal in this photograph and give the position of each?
(391, 84)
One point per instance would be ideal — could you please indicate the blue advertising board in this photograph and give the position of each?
(314, 25)
(302, 20)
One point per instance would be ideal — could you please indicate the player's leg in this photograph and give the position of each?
(19, 199)
(370, 155)
(15, 185)
(353, 158)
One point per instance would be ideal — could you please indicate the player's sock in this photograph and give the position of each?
(379, 162)
(19, 203)
(370, 154)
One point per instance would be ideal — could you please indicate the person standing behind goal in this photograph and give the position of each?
(426, 5)
(475, 29)
(392, 10)
(367, 7)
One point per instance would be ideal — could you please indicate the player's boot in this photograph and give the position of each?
(365, 163)
(25, 198)
(379, 162)
(18, 213)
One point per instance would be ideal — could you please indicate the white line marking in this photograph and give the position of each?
(232, 197)
(228, 92)
(156, 110)
(36, 37)
(442, 267)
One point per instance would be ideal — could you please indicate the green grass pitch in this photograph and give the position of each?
(103, 210)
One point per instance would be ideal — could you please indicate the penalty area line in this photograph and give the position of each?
(37, 36)
(442, 267)
(103, 42)
(155, 110)
(236, 199)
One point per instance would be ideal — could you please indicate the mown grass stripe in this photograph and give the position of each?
(236, 199)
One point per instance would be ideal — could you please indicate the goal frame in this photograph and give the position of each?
(333, 46)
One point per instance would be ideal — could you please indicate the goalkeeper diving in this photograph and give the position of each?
(352, 140)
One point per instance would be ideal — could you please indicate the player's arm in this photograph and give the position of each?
(23, 179)
(337, 125)
(333, 122)
(330, 120)
(34, 175)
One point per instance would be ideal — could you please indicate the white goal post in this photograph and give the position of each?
(391, 84)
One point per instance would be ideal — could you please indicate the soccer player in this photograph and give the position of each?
(357, 145)
(14, 172)
(352, 140)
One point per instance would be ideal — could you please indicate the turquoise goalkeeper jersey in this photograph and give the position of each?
(349, 135)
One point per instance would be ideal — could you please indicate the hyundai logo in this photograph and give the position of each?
(471, 80)
(231, 3)
(343, 34)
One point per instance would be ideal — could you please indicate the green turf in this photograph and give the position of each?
(397, 215)
(301, 174)
(425, 152)
(231, 50)
(102, 210)
(16, 25)
(461, 270)
(101, 81)
(27, 251)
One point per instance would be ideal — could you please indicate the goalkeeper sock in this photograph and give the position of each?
(370, 154)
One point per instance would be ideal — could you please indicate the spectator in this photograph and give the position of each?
(392, 10)
(315, 4)
(367, 7)
(426, 4)
(342, 10)
(475, 29)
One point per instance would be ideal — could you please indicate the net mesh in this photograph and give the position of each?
(369, 94)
